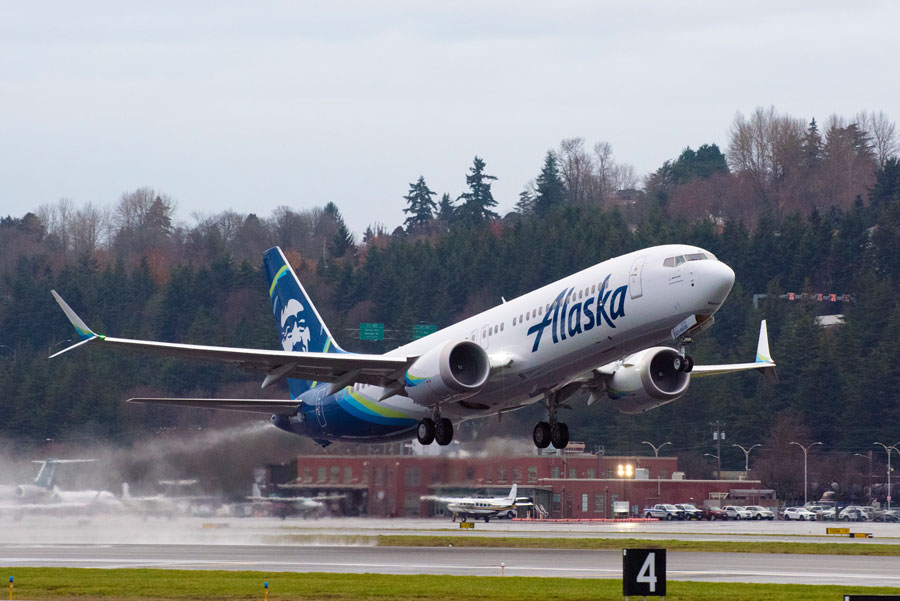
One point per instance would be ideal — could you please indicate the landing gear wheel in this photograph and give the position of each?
(559, 435)
(678, 363)
(487, 519)
(425, 431)
(688, 364)
(443, 431)
(541, 435)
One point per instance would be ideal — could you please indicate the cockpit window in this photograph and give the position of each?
(670, 262)
(696, 257)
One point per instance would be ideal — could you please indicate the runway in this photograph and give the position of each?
(708, 567)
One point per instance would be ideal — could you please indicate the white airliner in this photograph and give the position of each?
(596, 332)
(482, 507)
(306, 506)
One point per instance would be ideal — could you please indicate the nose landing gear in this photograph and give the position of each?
(683, 362)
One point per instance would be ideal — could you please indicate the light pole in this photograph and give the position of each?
(888, 451)
(805, 451)
(869, 457)
(746, 456)
(656, 448)
(656, 454)
(718, 462)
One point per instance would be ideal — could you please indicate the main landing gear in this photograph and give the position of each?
(551, 431)
(439, 429)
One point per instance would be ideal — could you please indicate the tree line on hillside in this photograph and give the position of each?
(134, 271)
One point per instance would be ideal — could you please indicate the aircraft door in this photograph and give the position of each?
(634, 277)
(485, 336)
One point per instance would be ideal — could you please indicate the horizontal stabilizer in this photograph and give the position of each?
(268, 406)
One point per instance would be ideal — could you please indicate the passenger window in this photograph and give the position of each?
(540, 310)
(594, 288)
(501, 326)
(514, 321)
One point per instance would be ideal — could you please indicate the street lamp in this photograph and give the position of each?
(656, 448)
(869, 457)
(746, 455)
(718, 462)
(805, 451)
(888, 451)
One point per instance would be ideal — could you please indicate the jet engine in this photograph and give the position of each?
(448, 372)
(648, 379)
(28, 492)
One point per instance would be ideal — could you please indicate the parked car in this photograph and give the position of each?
(690, 511)
(714, 513)
(736, 512)
(887, 515)
(854, 513)
(664, 511)
(823, 512)
(758, 512)
(798, 513)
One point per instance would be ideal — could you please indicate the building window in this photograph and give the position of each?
(307, 474)
(379, 476)
(517, 474)
(412, 476)
(584, 502)
(348, 474)
(470, 473)
(335, 473)
(501, 475)
(590, 473)
(532, 474)
(554, 472)
(321, 473)
(411, 503)
(572, 472)
(600, 504)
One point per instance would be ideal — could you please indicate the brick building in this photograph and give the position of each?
(564, 485)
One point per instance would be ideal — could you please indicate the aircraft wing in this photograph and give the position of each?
(341, 369)
(763, 361)
(267, 406)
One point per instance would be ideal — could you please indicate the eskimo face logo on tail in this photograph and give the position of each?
(294, 327)
(568, 321)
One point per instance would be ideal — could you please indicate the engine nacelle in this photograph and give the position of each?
(30, 492)
(448, 372)
(647, 380)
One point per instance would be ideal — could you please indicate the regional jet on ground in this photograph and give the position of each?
(43, 494)
(482, 507)
(595, 332)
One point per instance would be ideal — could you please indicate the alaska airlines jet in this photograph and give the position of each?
(596, 332)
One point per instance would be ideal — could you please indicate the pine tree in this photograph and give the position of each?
(477, 202)
(551, 192)
(446, 210)
(421, 205)
(342, 241)
(525, 204)
(812, 146)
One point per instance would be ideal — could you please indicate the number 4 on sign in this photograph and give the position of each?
(647, 574)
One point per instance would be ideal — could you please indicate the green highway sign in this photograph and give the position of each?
(371, 331)
(421, 330)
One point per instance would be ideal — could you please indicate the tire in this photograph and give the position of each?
(487, 519)
(678, 363)
(738, 517)
(559, 435)
(541, 435)
(669, 517)
(688, 364)
(649, 516)
(425, 431)
(443, 432)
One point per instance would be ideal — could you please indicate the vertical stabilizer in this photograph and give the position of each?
(300, 326)
(511, 497)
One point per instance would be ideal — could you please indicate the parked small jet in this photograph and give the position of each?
(283, 505)
(44, 495)
(593, 333)
(482, 507)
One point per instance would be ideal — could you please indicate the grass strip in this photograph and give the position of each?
(697, 546)
(70, 584)
(515, 542)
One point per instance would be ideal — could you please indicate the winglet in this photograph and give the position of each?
(763, 355)
(81, 328)
(762, 348)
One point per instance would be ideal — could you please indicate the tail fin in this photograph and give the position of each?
(511, 497)
(299, 324)
(45, 477)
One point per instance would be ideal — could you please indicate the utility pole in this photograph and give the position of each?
(718, 435)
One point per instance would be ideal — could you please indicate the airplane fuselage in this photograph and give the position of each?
(586, 320)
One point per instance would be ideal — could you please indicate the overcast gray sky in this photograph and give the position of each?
(251, 105)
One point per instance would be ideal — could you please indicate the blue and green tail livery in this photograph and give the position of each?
(300, 326)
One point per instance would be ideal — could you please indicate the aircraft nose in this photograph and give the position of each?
(721, 279)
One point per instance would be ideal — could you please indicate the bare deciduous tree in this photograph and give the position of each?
(883, 134)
